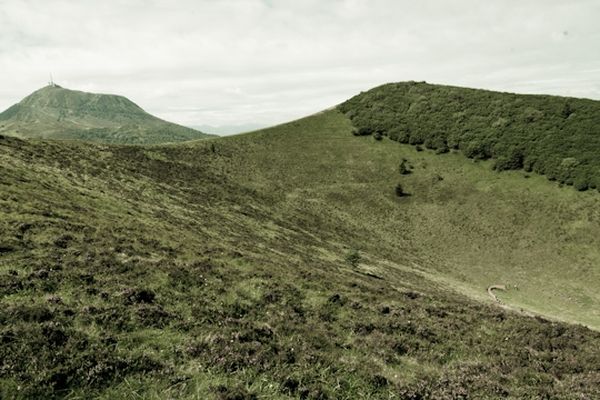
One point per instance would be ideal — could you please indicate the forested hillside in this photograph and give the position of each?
(555, 136)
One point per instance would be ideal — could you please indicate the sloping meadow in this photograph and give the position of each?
(178, 271)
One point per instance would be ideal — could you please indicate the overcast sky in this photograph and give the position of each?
(267, 61)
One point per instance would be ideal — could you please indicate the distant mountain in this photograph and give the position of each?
(229, 129)
(54, 112)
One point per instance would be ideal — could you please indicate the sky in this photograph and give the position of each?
(263, 62)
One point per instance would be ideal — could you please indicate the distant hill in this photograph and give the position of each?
(54, 112)
(222, 130)
(555, 136)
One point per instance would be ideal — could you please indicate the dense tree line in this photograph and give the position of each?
(555, 136)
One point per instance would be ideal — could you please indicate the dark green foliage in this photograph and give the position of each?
(555, 136)
(404, 168)
(353, 258)
(442, 149)
(581, 183)
(399, 190)
(567, 110)
(513, 159)
(363, 131)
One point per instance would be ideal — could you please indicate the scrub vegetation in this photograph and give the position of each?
(282, 264)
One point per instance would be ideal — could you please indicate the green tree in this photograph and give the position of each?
(400, 190)
(353, 258)
(404, 169)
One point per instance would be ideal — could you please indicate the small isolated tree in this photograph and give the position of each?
(404, 169)
(400, 190)
(567, 110)
(353, 258)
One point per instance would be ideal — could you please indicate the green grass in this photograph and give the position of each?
(473, 229)
(218, 269)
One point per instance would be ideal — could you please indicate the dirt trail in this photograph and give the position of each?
(491, 289)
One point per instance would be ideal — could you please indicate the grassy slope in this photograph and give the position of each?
(216, 269)
(57, 113)
(474, 228)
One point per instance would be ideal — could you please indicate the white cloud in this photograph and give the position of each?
(250, 61)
